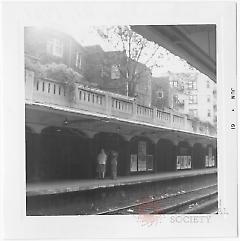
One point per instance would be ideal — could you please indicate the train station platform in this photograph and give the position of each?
(65, 186)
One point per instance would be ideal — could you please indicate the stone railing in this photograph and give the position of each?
(47, 91)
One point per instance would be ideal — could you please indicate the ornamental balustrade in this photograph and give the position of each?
(51, 92)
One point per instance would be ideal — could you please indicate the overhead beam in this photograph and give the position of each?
(174, 39)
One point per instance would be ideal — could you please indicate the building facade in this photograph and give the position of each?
(162, 93)
(51, 46)
(104, 70)
(190, 93)
(110, 70)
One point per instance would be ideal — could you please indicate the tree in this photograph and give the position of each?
(139, 54)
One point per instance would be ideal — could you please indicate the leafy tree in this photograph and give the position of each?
(140, 55)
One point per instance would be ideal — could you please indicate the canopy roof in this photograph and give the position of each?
(194, 43)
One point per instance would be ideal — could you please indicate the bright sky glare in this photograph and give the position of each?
(87, 35)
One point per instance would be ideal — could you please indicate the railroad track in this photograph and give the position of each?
(200, 200)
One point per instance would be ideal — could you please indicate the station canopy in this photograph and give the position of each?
(194, 43)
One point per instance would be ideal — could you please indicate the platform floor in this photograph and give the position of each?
(63, 186)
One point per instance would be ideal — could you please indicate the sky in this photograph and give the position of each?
(87, 35)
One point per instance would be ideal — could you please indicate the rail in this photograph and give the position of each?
(174, 203)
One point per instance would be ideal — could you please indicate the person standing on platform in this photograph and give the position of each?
(114, 156)
(101, 164)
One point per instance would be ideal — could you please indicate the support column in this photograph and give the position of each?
(155, 158)
(38, 155)
(214, 144)
(92, 159)
(127, 158)
(215, 154)
(175, 152)
(174, 161)
(36, 159)
(205, 148)
(191, 154)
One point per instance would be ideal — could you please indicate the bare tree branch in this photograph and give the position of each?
(133, 45)
(153, 54)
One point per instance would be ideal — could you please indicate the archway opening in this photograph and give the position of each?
(184, 156)
(165, 156)
(29, 150)
(141, 155)
(65, 154)
(198, 156)
(210, 156)
(111, 142)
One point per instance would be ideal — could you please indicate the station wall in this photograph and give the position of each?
(67, 153)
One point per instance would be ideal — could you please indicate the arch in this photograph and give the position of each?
(215, 155)
(184, 148)
(63, 131)
(142, 151)
(35, 128)
(111, 142)
(134, 138)
(211, 156)
(165, 155)
(66, 154)
(198, 156)
(183, 156)
(190, 143)
(29, 150)
(28, 129)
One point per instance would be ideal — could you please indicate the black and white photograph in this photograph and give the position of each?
(119, 120)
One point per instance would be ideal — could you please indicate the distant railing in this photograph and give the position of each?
(122, 105)
(48, 91)
(144, 111)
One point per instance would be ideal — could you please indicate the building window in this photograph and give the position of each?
(208, 84)
(192, 85)
(209, 113)
(78, 63)
(55, 47)
(192, 99)
(174, 83)
(208, 99)
(160, 94)
(193, 112)
(215, 107)
(115, 73)
(175, 99)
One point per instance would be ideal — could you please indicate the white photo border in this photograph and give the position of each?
(17, 15)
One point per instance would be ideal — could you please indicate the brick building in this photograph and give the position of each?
(103, 70)
(109, 71)
(51, 46)
(161, 92)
